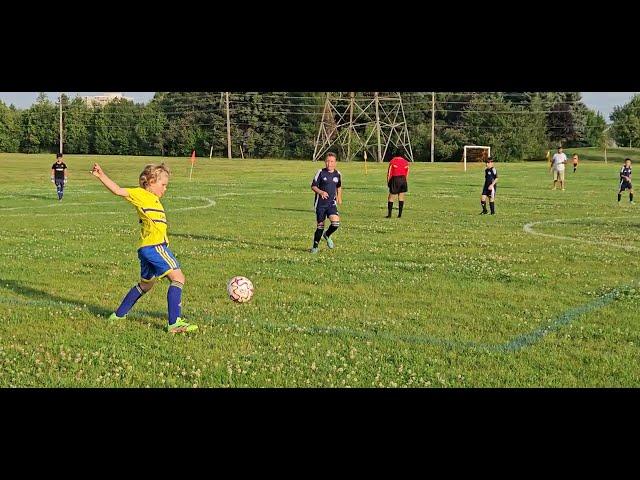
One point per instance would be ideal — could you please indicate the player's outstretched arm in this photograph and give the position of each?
(107, 182)
(339, 196)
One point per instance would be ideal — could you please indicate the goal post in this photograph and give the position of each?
(475, 153)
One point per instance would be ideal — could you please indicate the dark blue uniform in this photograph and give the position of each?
(329, 182)
(58, 177)
(624, 183)
(490, 174)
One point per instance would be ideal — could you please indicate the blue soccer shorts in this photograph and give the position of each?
(156, 261)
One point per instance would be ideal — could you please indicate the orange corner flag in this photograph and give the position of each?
(193, 157)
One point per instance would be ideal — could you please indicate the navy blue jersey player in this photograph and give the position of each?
(489, 188)
(327, 185)
(59, 175)
(625, 180)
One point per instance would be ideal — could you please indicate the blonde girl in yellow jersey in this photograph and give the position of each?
(156, 260)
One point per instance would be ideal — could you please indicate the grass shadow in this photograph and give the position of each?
(213, 238)
(307, 210)
(38, 197)
(40, 295)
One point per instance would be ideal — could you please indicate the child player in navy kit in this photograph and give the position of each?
(59, 175)
(489, 188)
(625, 180)
(327, 185)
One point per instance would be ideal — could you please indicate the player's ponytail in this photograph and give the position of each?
(151, 173)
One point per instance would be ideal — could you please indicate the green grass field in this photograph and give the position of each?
(544, 294)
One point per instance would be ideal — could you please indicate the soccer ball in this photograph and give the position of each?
(240, 289)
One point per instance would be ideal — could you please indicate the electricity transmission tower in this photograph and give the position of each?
(365, 122)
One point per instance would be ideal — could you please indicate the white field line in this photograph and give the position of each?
(528, 228)
(209, 203)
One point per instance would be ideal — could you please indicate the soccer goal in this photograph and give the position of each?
(475, 153)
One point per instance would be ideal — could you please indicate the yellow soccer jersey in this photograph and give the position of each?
(153, 221)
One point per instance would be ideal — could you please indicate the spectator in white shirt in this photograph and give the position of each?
(557, 166)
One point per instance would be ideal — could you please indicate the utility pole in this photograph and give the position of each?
(60, 98)
(228, 127)
(380, 159)
(433, 124)
(351, 96)
(605, 142)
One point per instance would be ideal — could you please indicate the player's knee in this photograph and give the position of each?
(178, 276)
(320, 226)
(145, 286)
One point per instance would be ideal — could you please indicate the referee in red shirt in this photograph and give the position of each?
(397, 182)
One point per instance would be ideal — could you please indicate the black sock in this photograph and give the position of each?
(332, 228)
(631, 197)
(389, 208)
(400, 206)
(317, 236)
(619, 196)
(492, 206)
(484, 206)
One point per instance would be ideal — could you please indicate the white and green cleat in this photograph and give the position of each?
(114, 317)
(329, 242)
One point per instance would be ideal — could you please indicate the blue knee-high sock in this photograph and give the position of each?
(129, 300)
(174, 301)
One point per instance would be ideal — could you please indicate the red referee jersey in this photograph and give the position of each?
(398, 167)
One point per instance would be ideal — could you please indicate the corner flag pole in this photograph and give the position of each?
(193, 160)
(365, 162)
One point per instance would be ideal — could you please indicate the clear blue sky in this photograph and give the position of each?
(599, 101)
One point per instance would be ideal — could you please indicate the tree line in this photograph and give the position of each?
(517, 125)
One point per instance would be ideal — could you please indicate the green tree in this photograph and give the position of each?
(595, 125)
(40, 127)
(101, 137)
(76, 119)
(149, 129)
(9, 128)
(626, 123)
(515, 131)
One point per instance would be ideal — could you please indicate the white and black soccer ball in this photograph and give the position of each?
(240, 289)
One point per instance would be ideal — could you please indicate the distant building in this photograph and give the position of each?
(104, 99)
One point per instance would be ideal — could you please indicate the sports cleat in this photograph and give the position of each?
(314, 250)
(181, 327)
(387, 216)
(329, 242)
(114, 317)
(484, 212)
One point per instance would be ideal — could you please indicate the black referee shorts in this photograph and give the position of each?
(397, 185)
